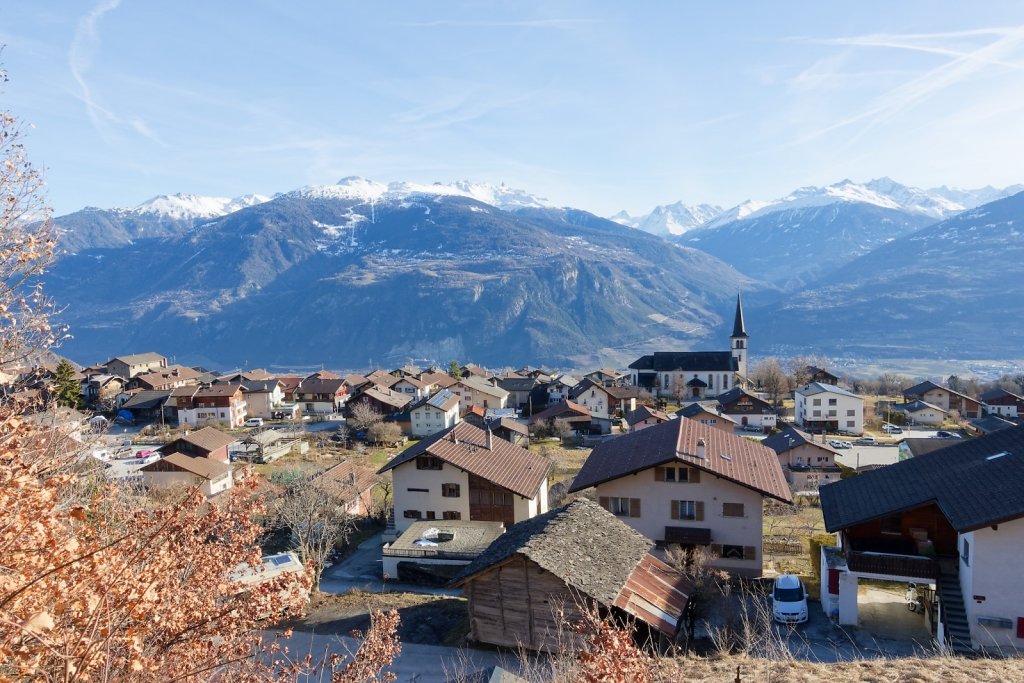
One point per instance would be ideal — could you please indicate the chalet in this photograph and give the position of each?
(465, 472)
(434, 413)
(177, 469)
(471, 370)
(474, 391)
(645, 416)
(920, 413)
(224, 403)
(102, 387)
(165, 378)
(538, 576)
(695, 375)
(208, 442)
(1002, 403)
(412, 386)
(384, 401)
(134, 364)
(681, 482)
(509, 429)
(558, 389)
(710, 413)
(316, 396)
(824, 407)
(574, 414)
(608, 377)
(820, 375)
(944, 398)
(519, 389)
(953, 519)
(806, 463)
(265, 398)
(350, 485)
(744, 408)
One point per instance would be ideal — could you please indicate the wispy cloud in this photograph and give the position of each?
(514, 23)
(80, 58)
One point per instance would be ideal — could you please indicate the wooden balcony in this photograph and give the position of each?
(911, 566)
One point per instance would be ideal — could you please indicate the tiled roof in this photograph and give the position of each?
(137, 358)
(562, 409)
(441, 379)
(218, 390)
(790, 438)
(517, 383)
(620, 393)
(685, 361)
(483, 386)
(346, 480)
(465, 446)
(644, 412)
(510, 424)
(728, 456)
(175, 373)
(208, 438)
(321, 386)
(201, 467)
(263, 386)
(394, 399)
(974, 482)
(923, 387)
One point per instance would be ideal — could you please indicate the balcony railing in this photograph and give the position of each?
(914, 566)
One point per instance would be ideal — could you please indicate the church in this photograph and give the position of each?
(695, 375)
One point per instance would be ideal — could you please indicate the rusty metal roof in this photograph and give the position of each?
(726, 455)
(655, 594)
(465, 446)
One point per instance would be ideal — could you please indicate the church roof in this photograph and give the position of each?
(738, 328)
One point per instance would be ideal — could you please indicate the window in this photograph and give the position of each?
(691, 510)
(411, 514)
(430, 514)
(732, 509)
(450, 490)
(966, 557)
(831, 413)
(451, 514)
(817, 413)
(851, 423)
(732, 552)
(412, 490)
(680, 475)
(817, 402)
(621, 507)
(428, 462)
(851, 413)
(892, 525)
(833, 402)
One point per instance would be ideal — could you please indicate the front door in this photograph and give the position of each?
(488, 502)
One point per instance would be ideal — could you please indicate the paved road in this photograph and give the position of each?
(362, 570)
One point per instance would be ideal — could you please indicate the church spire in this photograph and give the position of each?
(738, 328)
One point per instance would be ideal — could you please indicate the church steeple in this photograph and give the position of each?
(738, 328)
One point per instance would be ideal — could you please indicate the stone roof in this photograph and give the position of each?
(482, 385)
(974, 482)
(138, 358)
(566, 410)
(726, 455)
(686, 361)
(465, 446)
(815, 388)
(644, 412)
(147, 399)
(790, 438)
(346, 480)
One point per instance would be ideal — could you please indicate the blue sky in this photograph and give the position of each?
(602, 106)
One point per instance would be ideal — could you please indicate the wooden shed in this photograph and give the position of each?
(531, 583)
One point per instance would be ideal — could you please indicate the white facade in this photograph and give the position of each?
(656, 512)
(597, 401)
(427, 419)
(233, 416)
(825, 406)
(404, 386)
(264, 403)
(927, 415)
(477, 392)
(993, 598)
(421, 491)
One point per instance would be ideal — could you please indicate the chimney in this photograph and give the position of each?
(490, 444)
(455, 439)
(701, 449)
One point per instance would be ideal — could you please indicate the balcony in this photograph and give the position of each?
(888, 564)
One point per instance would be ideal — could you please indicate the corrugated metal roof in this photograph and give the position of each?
(655, 594)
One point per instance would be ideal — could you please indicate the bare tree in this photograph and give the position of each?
(771, 378)
(363, 416)
(387, 433)
(316, 523)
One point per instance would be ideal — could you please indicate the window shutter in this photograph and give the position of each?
(694, 475)
(749, 552)
(634, 507)
(603, 501)
(675, 508)
(659, 474)
(716, 549)
(700, 511)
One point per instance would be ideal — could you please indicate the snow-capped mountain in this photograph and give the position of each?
(670, 219)
(191, 206)
(356, 188)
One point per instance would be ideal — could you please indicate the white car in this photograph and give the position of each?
(254, 422)
(789, 600)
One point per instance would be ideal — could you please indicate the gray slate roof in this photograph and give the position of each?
(815, 388)
(686, 361)
(146, 399)
(791, 438)
(581, 543)
(970, 489)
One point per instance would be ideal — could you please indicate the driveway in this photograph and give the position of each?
(361, 570)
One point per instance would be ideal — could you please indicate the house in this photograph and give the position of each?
(824, 407)
(170, 377)
(1002, 403)
(471, 370)
(134, 364)
(953, 519)
(608, 377)
(990, 424)
(384, 401)
(681, 482)
(710, 413)
(574, 414)
(436, 380)
(695, 375)
(101, 387)
(604, 402)
(434, 551)
(265, 398)
(350, 485)
(474, 391)
(240, 377)
(433, 414)
(557, 390)
(464, 472)
(920, 413)
(208, 442)
(224, 403)
(816, 374)
(412, 386)
(534, 580)
(290, 386)
(645, 416)
(806, 463)
(149, 405)
(509, 429)
(177, 469)
(519, 389)
(316, 396)
(743, 408)
(945, 398)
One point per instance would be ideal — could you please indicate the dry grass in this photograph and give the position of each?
(568, 461)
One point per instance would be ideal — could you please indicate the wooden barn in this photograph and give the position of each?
(532, 582)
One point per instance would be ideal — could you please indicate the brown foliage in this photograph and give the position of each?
(608, 654)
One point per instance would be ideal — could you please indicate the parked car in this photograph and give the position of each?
(866, 441)
(847, 444)
(254, 422)
(752, 428)
(891, 429)
(789, 600)
(947, 435)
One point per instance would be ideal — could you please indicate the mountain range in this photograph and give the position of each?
(357, 272)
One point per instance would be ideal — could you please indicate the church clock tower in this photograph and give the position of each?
(739, 340)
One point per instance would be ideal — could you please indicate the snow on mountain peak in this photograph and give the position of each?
(191, 206)
(500, 196)
(670, 219)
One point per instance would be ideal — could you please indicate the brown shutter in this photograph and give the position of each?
(749, 552)
(716, 549)
(700, 511)
(675, 508)
(659, 474)
(694, 475)
(603, 501)
(634, 507)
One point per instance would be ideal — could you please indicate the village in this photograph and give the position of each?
(688, 493)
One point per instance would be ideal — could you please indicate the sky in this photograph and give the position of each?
(598, 105)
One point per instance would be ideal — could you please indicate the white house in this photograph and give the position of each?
(682, 482)
(826, 407)
(433, 414)
(474, 391)
(467, 473)
(178, 469)
(412, 386)
(921, 413)
(263, 398)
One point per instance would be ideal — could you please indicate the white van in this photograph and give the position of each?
(254, 422)
(789, 600)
